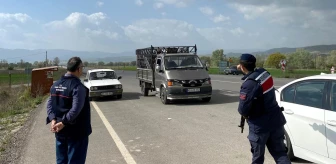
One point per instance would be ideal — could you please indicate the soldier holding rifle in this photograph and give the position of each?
(258, 105)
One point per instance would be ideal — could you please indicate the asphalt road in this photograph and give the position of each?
(137, 129)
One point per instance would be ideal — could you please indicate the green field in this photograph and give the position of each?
(19, 77)
(275, 72)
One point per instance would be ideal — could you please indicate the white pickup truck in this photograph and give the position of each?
(103, 82)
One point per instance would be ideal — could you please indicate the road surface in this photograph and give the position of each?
(137, 129)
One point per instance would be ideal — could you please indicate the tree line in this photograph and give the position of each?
(300, 59)
(56, 62)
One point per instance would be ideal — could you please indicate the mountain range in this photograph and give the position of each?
(15, 55)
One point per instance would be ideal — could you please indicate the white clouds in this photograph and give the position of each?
(158, 5)
(20, 17)
(220, 18)
(177, 3)
(237, 31)
(206, 10)
(139, 2)
(100, 4)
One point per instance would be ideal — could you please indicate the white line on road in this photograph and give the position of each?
(234, 82)
(127, 156)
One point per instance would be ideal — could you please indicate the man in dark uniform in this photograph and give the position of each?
(259, 106)
(68, 111)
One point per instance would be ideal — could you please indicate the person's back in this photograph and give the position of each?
(68, 111)
(269, 115)
(265, 119)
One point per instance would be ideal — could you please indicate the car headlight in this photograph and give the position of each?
(93, 88)
(118, 86)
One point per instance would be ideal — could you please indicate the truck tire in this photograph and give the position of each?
(163, 95)
(144, 90)
(207, 99)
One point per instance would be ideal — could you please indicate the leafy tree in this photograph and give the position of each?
(273, 60)
(206, 59)
(216, 57)
(56, 61)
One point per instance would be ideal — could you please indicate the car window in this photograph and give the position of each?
(288, 94)
(310, 94)
(333, 96)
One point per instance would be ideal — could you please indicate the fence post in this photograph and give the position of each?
(10, 80)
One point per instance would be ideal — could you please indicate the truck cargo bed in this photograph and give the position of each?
(145, 75)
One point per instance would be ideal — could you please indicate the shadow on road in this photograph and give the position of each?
(218, 97)
(299, 160)
(126, 96)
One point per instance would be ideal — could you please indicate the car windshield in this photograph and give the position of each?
(103, 75)
(182, 61)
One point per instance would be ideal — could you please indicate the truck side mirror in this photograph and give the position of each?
(158, 68)
(206, 68)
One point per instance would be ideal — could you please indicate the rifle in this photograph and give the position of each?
(242, 123)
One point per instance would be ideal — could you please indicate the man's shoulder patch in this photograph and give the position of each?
(242, 96)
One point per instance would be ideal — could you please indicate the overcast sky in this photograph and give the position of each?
(123, 25)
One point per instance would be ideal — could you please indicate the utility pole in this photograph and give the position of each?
(46, 59)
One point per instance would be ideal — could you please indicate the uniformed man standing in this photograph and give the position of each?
(259, 106)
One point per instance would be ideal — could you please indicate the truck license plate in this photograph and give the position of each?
(194, 90)
(107, 93)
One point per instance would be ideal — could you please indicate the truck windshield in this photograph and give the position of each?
(103, 75)
(182, 61)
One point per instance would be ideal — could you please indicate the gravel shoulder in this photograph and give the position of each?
(15, 138)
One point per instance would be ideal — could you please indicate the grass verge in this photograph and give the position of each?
(16, 104)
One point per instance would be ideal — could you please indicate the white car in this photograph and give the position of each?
(103, 82)
(310, 109)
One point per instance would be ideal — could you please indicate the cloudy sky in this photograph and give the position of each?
(123, 25)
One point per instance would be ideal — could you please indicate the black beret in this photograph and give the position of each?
(248, 58)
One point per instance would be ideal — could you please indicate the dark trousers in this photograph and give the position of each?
(274, 141)
(71, 151)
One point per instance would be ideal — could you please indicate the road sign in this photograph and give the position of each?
(283, 64)
(222, 66)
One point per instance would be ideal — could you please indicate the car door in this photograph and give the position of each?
(330, 120)
(304, 103)
(158, 75)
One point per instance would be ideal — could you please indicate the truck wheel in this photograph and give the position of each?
(207, 99)
(288, 145)
(144, 90)
(163, 95)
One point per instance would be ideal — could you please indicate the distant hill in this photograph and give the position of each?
(15, 55)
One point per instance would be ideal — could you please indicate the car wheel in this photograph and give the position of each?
(288, 145)
(163, 95)
(207, 99)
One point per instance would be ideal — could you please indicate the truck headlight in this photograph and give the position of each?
(93, 88)
(207, 81)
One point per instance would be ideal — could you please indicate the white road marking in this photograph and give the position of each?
(127, 156)
(235, 82)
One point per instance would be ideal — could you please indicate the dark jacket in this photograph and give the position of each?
(69, 103)
(258, 102)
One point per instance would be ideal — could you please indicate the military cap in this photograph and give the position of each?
(248, 58)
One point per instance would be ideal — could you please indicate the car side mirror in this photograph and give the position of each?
(86, 80)
(119, 77)
(206, 68)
